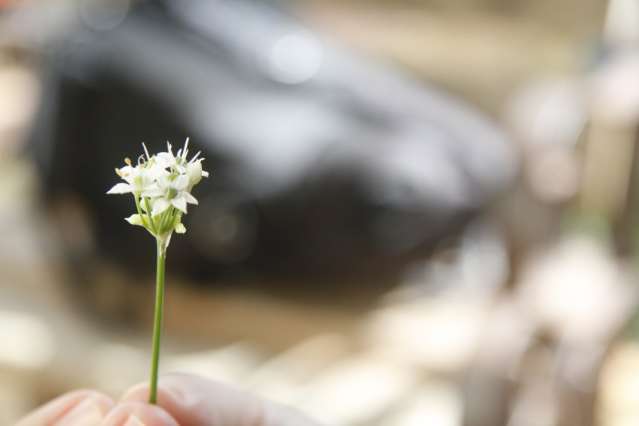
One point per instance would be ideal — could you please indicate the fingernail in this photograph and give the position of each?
(133, 420)
(87, 413)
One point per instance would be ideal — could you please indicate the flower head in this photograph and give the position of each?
(161, 186)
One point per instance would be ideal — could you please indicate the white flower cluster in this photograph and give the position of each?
(161, 186)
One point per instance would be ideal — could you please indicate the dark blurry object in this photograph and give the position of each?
(322, 164)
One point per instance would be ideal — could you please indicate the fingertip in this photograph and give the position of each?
(135, 413)
(61, 408)
(170, 393)
(140, 393)
(100, 400)
(194, 400)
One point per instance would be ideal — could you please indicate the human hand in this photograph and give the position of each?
(183, 400)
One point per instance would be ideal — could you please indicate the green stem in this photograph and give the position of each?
(163, 219)
(148, 212)
(157, 319)
(136, 197)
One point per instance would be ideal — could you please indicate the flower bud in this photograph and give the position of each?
(135, 219)
(194, 172)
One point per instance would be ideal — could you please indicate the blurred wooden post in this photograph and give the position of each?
(610, 169)
(607, 168)
(610, 161)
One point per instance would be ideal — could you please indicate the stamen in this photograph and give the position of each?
(186, 148)
(146, 151)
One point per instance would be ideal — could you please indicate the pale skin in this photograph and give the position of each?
(183, 400)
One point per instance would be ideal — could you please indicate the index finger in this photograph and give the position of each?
(55, 411)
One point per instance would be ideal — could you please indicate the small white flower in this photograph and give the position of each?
(166, 159)
(138, 179)
(161, 185)
(169, 191)
(194, 172)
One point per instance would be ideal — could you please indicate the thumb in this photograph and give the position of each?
(197, 401)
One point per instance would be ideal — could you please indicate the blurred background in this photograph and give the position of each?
(420, 212)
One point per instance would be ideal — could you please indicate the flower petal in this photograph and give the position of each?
(179, 203)
(153, 192)
(181, 182)
(194, 172)
(126, 170)
(159, 206)
(135, 219)
(164, 159)
(156, 172)
(189, 198)
(120, 188)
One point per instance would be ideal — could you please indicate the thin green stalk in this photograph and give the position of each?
(157, 319)
(163, 219)
(148, 211)
(136, 197)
